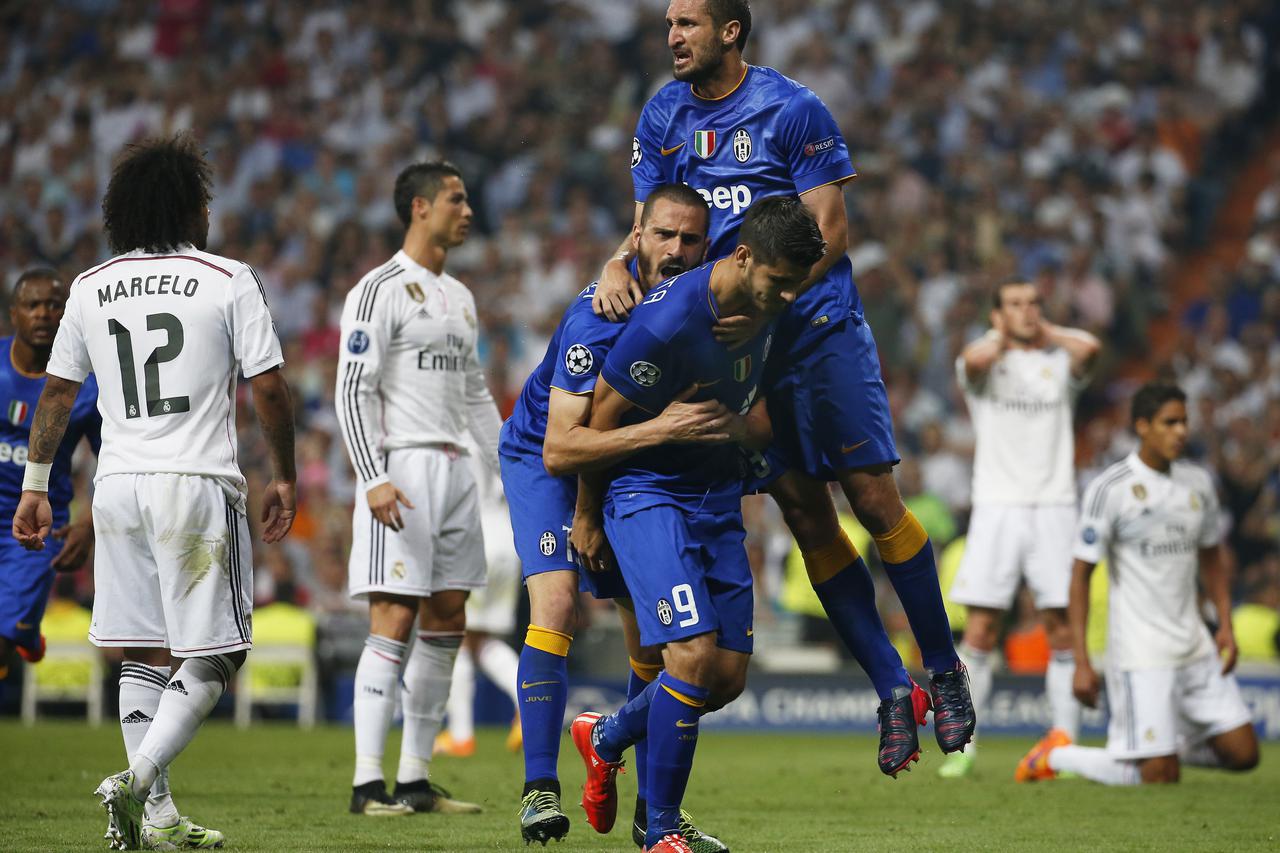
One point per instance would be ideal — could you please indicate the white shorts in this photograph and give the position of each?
(492, 608)
(172, 564)
(1156, 711)
(441, 546)
(1007, 544)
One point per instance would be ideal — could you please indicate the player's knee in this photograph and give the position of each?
(1243, 759)
(980, 631)
(873, 495)
(1164, 771)
(554, 609)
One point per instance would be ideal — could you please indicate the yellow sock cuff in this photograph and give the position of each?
(546, 640)
(688, 700)
(904, 541)
(824, 563)
(645, 671)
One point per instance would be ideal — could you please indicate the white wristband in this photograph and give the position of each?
(36, 477)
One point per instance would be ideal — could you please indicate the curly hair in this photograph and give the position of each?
(157, 196)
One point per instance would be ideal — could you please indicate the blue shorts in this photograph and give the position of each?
(541, 508)
(829, 408)
(25, 581)
(688, 573)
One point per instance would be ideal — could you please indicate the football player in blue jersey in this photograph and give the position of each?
(39, 297)
(673, 515)
(738, 133)
(543, 446)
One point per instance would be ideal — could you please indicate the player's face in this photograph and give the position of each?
(449, 214)
(1166, 433)
(771, 287)
(673, 239)
(696, 46)
(36, 311)
(1019, 311)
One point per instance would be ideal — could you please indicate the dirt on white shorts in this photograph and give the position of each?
(441, 546)
(172, 564)
(1007, 544)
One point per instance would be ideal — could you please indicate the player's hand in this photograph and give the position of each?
(77, 546)
(1086, 684)
(279, 505)
(1225, 639)
(384, 502)
(706, 422)
(33, 520)
(737, 330)
(617, 293)
(590, 544)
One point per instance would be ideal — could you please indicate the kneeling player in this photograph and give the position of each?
(544, 442)
(673, 517)
(1173, 700)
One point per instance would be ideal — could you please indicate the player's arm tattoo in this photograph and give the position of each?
(274, 406)
(53, 413)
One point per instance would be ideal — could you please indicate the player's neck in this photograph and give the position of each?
(424, 251)
(28, 360)
(1153, 460)
(731, 298)
(727, 77)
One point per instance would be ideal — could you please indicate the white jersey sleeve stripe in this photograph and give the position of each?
(365, 311)
(353, 425)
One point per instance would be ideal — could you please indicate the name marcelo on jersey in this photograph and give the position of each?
(152, 285)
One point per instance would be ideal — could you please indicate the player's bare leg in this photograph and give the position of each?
(977, 650)
(1234, 750)
(377, 675)
(442, 622)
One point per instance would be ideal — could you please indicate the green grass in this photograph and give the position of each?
(277, 788)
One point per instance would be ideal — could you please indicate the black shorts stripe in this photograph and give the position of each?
(373, 550)
(353, 427)
(233, 562)
(364, 312)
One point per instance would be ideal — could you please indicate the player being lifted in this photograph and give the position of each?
(1173, 700)
(409, 390)
(544, 444)
(1021, 381)
(39, 299)
(673, 515)
(166, 328)
(738, 133)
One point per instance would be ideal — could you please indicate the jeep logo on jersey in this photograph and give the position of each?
(15, 453)
(547, 543)
(636, 156)
(17, 412)
(704, 143)
(415, 291)
(358, 342)
(578, 360)
(664, 611)
(645, 374)
(736, 197)
(741, 145)
(742, 368)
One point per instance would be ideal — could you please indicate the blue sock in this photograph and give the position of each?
(636, 685)
(907, 555)
(849, 597)
(542, 684)
(673, 738)
(625, 727)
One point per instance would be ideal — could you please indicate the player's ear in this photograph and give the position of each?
(729, 35)
(421, 206)
(742, 255)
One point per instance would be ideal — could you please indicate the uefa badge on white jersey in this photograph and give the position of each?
(358, 342)
(645, 374)
(547, 543)
(578, 360)
(741, 145)
(636, 156)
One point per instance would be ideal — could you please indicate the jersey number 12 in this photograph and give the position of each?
(156, 405)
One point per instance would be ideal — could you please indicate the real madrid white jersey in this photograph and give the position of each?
(1022, 412)
(408, 373)
(165, 336)
(1150, 528)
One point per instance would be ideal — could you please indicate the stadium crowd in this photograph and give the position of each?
(1082, 146)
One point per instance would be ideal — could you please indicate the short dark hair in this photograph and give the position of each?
(36, 274)
(157, 196)
(421, 180)
(997, 294)
(724, 11)
(679, 194)
(781, 228)
(1151, 397)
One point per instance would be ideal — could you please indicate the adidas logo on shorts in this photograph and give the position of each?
(137, 717)
(178, 687)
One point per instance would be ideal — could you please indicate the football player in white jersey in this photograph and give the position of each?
(1173, 700)
(1021, 381)
(166, 328)
(410, 391)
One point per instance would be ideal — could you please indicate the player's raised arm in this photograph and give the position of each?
(826, 203)
(1083, 347)
(977, 359)
(33, 519)
(273, 405)
(618, 293)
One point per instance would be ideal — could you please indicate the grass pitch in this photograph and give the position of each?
(276, 788)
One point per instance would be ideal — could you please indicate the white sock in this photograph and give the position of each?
(192, 692)
(462, 695)
(141, 687)
(1064, 710)
(375, 703)
(1096, 764)
(500, 663)
(427, 678)
(1199, 755)
(980, 665)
